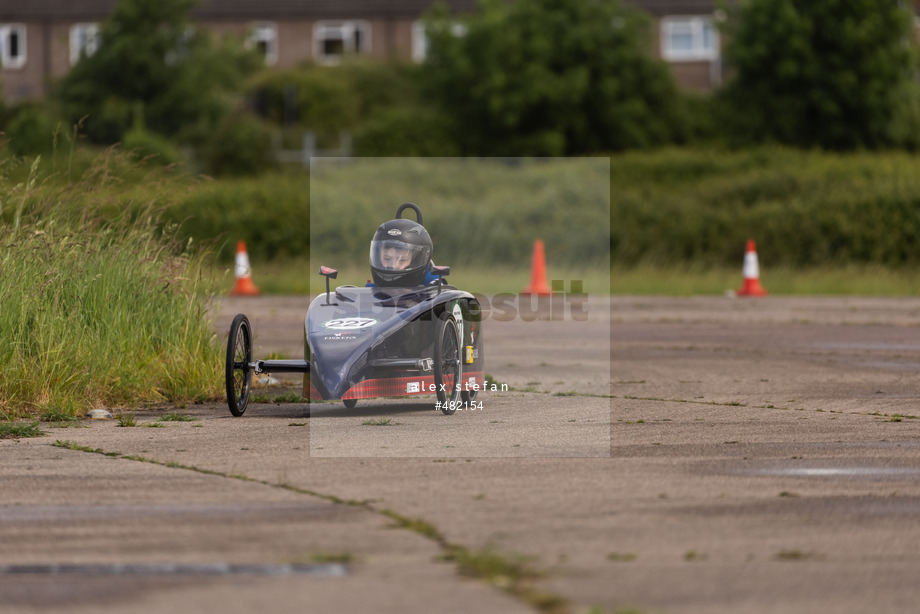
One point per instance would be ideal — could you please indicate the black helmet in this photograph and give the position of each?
(400, 254)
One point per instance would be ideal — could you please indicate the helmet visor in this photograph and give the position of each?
(392, 255)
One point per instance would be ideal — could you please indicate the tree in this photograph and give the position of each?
(838, 74)
(549, 77)
(152, 60)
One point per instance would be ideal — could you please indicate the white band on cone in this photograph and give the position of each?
(242, 265)
(751, 268)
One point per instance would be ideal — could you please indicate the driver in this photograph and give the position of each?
(395, 257)
(401, 255)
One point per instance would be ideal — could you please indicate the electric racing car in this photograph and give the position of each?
(407, 334)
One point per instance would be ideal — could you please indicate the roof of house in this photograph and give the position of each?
(69, 10)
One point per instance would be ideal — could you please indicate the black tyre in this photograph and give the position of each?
(447, 363)
(350, 403)
(238, 373)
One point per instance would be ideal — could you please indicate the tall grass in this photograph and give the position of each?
(99, 305)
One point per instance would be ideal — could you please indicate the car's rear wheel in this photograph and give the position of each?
(447, 363)
(238, 374)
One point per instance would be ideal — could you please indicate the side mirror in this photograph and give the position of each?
(441, 272)
(328, 274)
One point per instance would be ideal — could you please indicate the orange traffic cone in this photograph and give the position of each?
(538, 284)
(751, 273)
(243, 285)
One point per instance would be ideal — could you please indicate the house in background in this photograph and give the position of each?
(41, 39)
(687, 38)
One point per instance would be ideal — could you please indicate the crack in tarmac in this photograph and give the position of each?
(514, 577)
(211, 569)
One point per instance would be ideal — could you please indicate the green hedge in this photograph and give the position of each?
(478, 211)
(673, 206)
(802, 208)
(270, 212)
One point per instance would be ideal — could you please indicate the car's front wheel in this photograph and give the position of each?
(447, 363)
(238, 374)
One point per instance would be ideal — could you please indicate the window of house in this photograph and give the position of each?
(420, 38)
(84, 40)
(263, 37)
(179, 52)
(333, 40)
(419, 42)
(689, 38)
(13, 41)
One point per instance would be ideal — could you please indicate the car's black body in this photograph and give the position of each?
(372, 342)
(379, 342)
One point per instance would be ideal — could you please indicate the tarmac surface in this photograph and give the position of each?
(683, 455)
